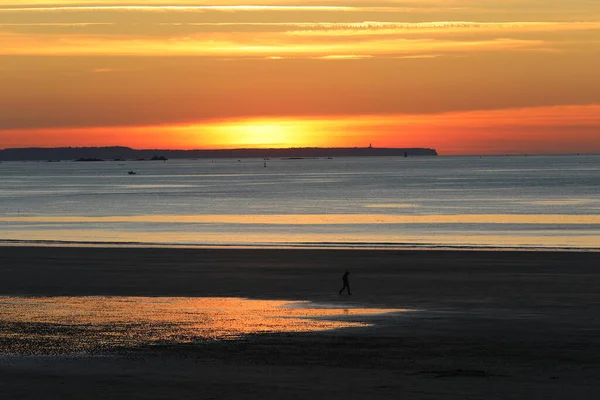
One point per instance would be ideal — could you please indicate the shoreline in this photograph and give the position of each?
(294, 246)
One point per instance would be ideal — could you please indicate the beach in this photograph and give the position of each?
(479, 324)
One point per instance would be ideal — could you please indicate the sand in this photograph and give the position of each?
(487, 325)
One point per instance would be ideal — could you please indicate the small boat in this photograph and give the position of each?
(131, 172)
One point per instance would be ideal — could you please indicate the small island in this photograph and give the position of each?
(88, 159)
(122, 153)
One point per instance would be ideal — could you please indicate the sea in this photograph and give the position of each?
(489, 202)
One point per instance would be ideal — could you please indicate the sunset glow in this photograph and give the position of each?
(463, 77)
(517, 131)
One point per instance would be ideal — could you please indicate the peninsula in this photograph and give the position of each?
(127, 153)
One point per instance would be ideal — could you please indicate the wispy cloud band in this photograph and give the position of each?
(18, 44)
(191, 8)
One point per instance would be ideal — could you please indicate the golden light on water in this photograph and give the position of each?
(328, 219)
(67, 325)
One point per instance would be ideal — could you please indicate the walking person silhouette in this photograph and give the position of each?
(346, 283)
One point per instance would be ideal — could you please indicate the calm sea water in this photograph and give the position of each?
(527, 201)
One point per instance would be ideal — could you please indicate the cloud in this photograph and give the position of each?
(240, 45)
(439, 27)
(188, 8)
(346, 57)
(83, 24)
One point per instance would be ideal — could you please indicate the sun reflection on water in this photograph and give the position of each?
(68, 325)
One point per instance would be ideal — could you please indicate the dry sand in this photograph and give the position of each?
(490, 325)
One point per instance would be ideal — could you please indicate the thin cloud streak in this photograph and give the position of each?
(366, 27)
(346, 57)
(41, 24)
(201, 8)
(19, 44)
(389, 28)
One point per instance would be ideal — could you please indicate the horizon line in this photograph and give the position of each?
(520, 154)
(212, 149)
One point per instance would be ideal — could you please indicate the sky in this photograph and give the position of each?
(460, 76)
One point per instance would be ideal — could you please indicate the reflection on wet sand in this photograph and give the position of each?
(70, 325)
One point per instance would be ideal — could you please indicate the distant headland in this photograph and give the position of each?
(120, 153)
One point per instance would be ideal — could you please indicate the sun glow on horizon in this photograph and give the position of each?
(540, 131)
(259, 133)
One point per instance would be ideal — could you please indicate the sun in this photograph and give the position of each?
(262, 133)
(265, 135)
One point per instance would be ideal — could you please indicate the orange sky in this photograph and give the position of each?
(462, 76)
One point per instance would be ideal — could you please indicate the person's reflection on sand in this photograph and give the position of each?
(346, 283)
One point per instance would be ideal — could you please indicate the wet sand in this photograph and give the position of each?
(491, 325)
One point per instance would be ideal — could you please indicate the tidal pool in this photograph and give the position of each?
(93, 325)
